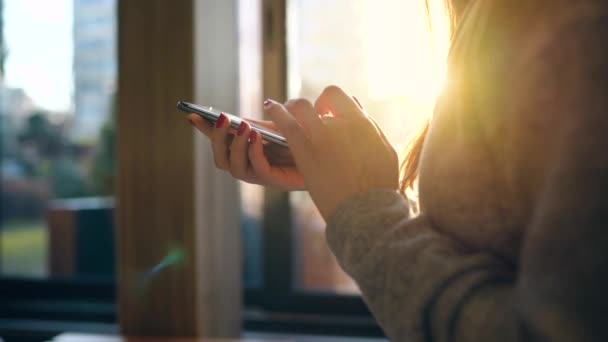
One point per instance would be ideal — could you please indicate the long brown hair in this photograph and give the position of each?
(409, 166)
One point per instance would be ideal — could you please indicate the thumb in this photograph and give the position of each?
(335, 101)
(294, 133)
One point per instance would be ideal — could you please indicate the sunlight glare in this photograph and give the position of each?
(413, 65)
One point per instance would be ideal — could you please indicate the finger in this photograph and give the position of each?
(358, 103)
(333, 100)
(199, 123)
(259, 163)
(238, 152)
(219, 142)
(278, 155)
(262, 123)
(305, 114)
(379, 130)
(289, 126)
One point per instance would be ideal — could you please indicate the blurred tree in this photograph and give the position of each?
(102, 176)
(43, 136)
(67, 178)
(46, 153)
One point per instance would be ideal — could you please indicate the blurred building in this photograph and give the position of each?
(1, 39)
(14, 102)
(95, 66)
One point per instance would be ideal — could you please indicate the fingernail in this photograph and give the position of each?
(253, 137)
(267, 103)
(191, 122)
(220, 121)
(242, 128)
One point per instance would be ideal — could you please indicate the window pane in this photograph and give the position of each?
(57, 161)
(250, 87)
(383, 54)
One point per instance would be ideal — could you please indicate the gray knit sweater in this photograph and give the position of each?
(512, 240)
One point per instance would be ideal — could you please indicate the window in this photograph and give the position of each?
(385, 55)
(57, 93)
(57, 90)
(57, 87)
(381, 53)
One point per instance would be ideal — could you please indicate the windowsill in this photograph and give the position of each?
(310, 338)
(43, 330)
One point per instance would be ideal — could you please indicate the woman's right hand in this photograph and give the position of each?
(247, 157)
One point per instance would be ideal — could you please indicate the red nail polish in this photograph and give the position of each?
(191, 122)
(253, 137)
(242, 128)
(220, 121)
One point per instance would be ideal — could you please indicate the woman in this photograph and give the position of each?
(511, 239)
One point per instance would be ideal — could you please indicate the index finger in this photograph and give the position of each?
(335, 101)
(202, 125)
(261, 123)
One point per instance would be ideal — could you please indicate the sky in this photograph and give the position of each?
(38, 36)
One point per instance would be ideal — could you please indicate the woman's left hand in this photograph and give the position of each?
(342, 153)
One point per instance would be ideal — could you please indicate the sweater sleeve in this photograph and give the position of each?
(423, 286)
(419, 284)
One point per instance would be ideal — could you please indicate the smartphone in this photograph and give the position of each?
(210, 114)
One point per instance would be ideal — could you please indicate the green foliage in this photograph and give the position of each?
(46, 153)
(45, 137)
(24, 248)
(67, 179)
(50, 160)
(102, 175)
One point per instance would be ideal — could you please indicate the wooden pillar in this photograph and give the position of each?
(179, 263)
(278, 230)
(218, 212)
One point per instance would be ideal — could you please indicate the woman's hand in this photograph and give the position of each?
(338, 154)
(247, 157)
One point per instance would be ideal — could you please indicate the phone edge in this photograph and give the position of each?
(191, 108)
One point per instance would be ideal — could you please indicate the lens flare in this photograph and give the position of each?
(174, 257)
